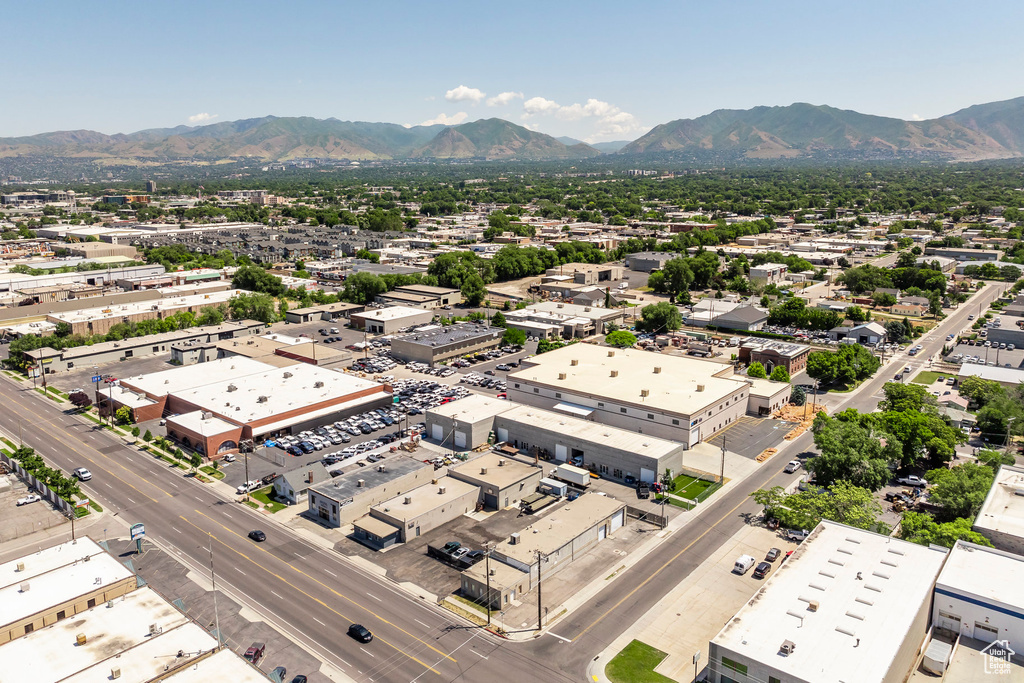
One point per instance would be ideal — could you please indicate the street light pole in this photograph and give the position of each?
(1006, 441)
(487, 557)
(213, 580)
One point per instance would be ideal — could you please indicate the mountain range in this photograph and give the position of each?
(984, 131)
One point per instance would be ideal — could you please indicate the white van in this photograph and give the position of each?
(743, 564)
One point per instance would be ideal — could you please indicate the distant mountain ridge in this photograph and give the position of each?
(281, 138)
(985, 131)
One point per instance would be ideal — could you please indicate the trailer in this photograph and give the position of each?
(553, 487)
(535, 502)
(570, 474)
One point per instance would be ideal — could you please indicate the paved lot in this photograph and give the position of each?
(18, 521)
(748, 436)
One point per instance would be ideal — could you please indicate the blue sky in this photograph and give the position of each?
(592, 70)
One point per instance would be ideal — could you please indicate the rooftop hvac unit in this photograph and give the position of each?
(110, 603)
(441, 490)
(501, 462)
(787, 647)
(574, 362)
(700, 387)
(611, 354)
(614, 373)
(812, 606)
(24, 587)
(155, 629)
(232, 387)
(408, 500)
(382, 468)
(514, 539)
(21, 566)
(483, 470)
(645, 392)
(318, 385)
(360, 483)
(561, 375)
(657, 370)
(287, 375)
(80, 639)
(115, 672)
(262, 399)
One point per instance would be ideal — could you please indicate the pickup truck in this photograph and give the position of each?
(912, 480)
(797, 535)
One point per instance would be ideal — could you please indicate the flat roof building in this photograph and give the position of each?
(466, 423)
(768, 274)
(848, 605)
(573, 320)
(612, 452)
(325, 312)
(1001, 518)
(649, 261)
(99, 320)
(562, 535)
(417, 511)
(446, 342)
(502, 482)
(390, 320)
(354, 490)
(1008, 377)
(770, 353)
(672, 397)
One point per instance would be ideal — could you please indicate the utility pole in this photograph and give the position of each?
(1006, 441)
(540, 602)
(487, 605)
(213, 579)
(721, 477)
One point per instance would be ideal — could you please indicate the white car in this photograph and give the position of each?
(82, 474)
(31, 498)
(792, 466)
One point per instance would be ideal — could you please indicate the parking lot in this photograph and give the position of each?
(977, 352)
(749, 436)
(19, 520)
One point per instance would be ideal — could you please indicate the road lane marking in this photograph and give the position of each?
(239, 571)
(375, 597)
(277, 594)
(559, 637)
(319, 622)
(367, 652)
(319, 601)
(131, 501)
(478, 654)
(331, 573)
(420, 622)
(175, 530)
(343, 661)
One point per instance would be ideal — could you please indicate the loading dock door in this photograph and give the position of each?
(617, 520)
(460, 439)
(602, 532)
(561, 453)
(950, 622)
(647, 475)
(502, 434)
(437, 432)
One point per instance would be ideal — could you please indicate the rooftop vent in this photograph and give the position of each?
(441, 490)
(262, 399)
(318, 385)
(287, 375)
(360, 483)
(408, 500)
(574, 362)
(561, 375)
(615, 373)
(787, 648)
(700, 387)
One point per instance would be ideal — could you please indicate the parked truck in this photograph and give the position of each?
(577, 476)
(553, 487)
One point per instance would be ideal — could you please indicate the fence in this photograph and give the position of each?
(44, 490)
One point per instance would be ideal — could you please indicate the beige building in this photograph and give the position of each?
(502, 482)
(416, 512)
(354, 490)
(1001, 518)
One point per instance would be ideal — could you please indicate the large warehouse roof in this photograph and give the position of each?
(1003, 509)
(187, 377)
(846, 599)
(673, 384)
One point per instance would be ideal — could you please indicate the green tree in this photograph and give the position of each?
(513, 337)
(123, 415)
(798, 396)
(368, 255)
(994, 459)
(195, 460)
(960, 490)
(498, 320)
(757, 370)
(211, 316)
(148, 436)
(779, 374)
(849, 451)
(659, 318)
(857, 314)
(473, 289)
(62, 329)
(620, 338)
(256, 279)
(253, 306)
(362, 288)
(918, 527)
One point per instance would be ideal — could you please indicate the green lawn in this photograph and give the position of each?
(694, 489)
(263, 496)
(635, 664)
(210, 471)
(928, 377)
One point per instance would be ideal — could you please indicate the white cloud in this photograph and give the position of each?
(453, 120)
(504, 98)
(463, 94)
(539, 105)
(199, 118)
(610, 120)
(916, 117)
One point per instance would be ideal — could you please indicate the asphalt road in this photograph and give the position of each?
(314, 594)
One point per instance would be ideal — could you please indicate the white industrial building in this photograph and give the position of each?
(849, 605)
(980, 594)
(672, 397)
(390, 320)
(1001, 517)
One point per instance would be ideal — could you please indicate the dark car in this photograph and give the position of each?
(294, 450)
(299, 679)
(762, 570)
(257, 535)
(255, 652)
(307, 447)
(772, 555)
(360, 633)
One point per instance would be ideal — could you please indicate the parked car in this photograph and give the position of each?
(360, 633)
(797, 535)
(255, 652)
(912, 480)
(30, 498)
(743, 564)
(772, 555)
(279, 672)
(762, 570)
(792, 466)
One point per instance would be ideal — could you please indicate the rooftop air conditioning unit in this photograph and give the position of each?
(287, 375)
(611, 354)
(514, 539)
(787, 647)
(645, 392)
(24, 587)
(657, 371)
(21, 566)
(155, 629)
(561, 375)
(441, 490)
(501, 462)
(360, 483)
(812, 606)
(700, 387)
(232, 387)
(115, 672)
(262, 399)
(408, 500)
(483, 470)
(574, 362)
(614, 373)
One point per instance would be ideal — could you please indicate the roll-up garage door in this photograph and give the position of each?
(617, 520)
(561, 453)
(647, 475)
(602, 532)
(460, 439)
(502, 434)
(437, 432)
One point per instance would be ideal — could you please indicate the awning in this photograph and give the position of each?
(574, 409)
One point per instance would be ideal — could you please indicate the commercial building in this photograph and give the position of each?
(224, 401)
(742, 318)
(390, 320)
(502, 482)
(612, 452)
(416, 512)
(55, 584)
(766, 396)
(848, 605)
(293, 485)
(99, 320)
(980, 594)
(466, 423)
(672, 397)
(771, 353)
(768, 274)
(421, 296)
(442, 343)
(588, 273)
(1007, 377)
(132, 634)
(560, 537)
(1001, 518)
(565, 319)
(649, 261)
(963, 254)
(325, 312)
(354, 490)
